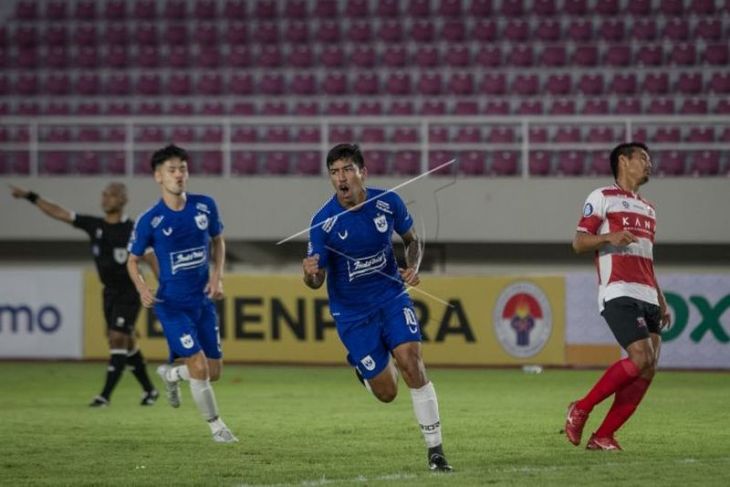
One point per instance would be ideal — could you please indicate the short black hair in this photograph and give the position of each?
(625, 149)
(348, 152)
(169, 152)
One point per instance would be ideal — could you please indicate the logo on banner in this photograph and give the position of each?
(522, 319)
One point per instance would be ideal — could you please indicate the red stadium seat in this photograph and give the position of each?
(505, 163)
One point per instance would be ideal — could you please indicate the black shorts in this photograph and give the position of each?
(631, 319)
(120, 310)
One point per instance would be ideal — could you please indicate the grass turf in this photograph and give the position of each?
(305, 426)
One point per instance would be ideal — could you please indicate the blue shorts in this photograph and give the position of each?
(190, 330)
(369, 341)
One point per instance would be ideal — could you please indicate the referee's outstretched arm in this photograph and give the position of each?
(49, 208)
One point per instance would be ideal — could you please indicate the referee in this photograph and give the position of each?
(109, 237)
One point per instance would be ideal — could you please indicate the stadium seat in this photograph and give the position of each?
(338, 108)
(694, 106)
(719, 83)
(488, 56)
(147, 57)
(480, 8)
(601, 135)
(530, 107)
(395, 56)
(553, 56)
(116, 34)
(211, 162)
(144, 10)
(295, 9)
(236, 33)
(56, 10)
(438, 158)
(450, 8)
(373, 135)
(406, 162)
(340, 135)
(656, 83)
(55, 35)
(406, 135)
(363, 56)
(265, 9)
(689, 83)
(57, 58)
(505, 163)
(512, 8)
(438, 134)
(361, 31)
(705, 163)
(58, 84)
(628, 106)
(591, 84)
(328, 32)
(548, 30)
(676, 29)
(700, 135)
(468, 134)
(458, 55)
(418, 8)
(88, 162)
(650, 55)
(244, 163)
(308, 135)
(661, 106)
(562, 106)
(461, 83)
(526, 84)
(618, 55)
(540, 163)
(326, 9)
(599, 164)
(175, 34)
(183, 135)
(269, 57)
(54, 162)
(585, 56)
(55, 108)
(516, 30)
(537, 135)
(87, 57)
(595, 107)
(580, 30)
(644, 29)
(702, 7)
(497, 107)
(272, 84)
(26, 36)
(709, 30)
(402, 108)
(570, 163)
(277, 163)
(716, 54)
(466, 107)
(246, 134)
(501, 135)
(266, 33)
(205, 9)
(387, 8)
(683, 54)
(377, 161)
(390, 31)
(175, 10)
(558, 84)
(567, 135)
(670, 163)
(521, 55)
(611, 30)
(296, 32)
(485, 30)
(667, 134)
(27, 84)
(274, 108)
(433, 107)
(117, 57)
(308, 163)
(366, 84)
(306, 109)
(86, 10)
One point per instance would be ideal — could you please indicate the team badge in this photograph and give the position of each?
(368, 363)
(522, 319)
(381, 223)
(201, 221)
(187, 341)
(120, 255)
(120, 321)
(99, 233)
(588, 209)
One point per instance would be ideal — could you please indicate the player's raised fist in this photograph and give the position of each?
(311, 264)
(410, 276)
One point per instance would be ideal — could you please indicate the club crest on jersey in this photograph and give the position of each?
(381, 223)
(368, 363)
(120, 255)
(641, 322)
(201, 221)
(99, 233)
(187, 341)
(588, 209)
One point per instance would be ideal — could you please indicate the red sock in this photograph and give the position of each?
(624, 405)
(614, 379)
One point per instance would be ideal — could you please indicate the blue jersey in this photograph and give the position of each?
(181, 241)
(356, 250)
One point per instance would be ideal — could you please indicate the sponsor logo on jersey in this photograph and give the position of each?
(201, 221)
(328, 224)
(637, 223)
(366, 265)
(368, 363)
(187, 341)
(202, 207)
(188, 259)
(522, 319)
(342, 236)
(120, 255)
(381, 223)
(383, 206)
(588, 209)
(157, 220)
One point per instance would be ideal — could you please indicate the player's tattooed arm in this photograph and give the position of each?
(587, 242)
(414, 253)
(313, 275)
(49, 208)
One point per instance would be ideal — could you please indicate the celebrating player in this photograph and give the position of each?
(619, 226)
(350, 245)
(180, 228)
(109, 236)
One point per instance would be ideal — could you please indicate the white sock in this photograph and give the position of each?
(426, 407)
(204, 398)
(178, 373)
(216, 425)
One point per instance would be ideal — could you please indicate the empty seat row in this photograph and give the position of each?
(363, 32)
(378, 162)
(337, 57)
(386, 106)
(399, 83)
(116, 10)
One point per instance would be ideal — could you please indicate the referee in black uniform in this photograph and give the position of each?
(109, 237)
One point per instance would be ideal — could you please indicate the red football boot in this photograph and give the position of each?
(603, 443)
(575, 420)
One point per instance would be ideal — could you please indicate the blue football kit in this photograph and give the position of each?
(181, 242)
(367, 296)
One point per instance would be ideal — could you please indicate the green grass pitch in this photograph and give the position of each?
(302, 426)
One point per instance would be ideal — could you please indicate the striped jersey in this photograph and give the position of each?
(629, 270)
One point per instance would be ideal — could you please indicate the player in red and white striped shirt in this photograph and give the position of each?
(618, 225)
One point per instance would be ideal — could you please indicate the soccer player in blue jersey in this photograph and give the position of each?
(182, 229)
(350, 246)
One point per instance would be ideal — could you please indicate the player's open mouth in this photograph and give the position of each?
(344, 189)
